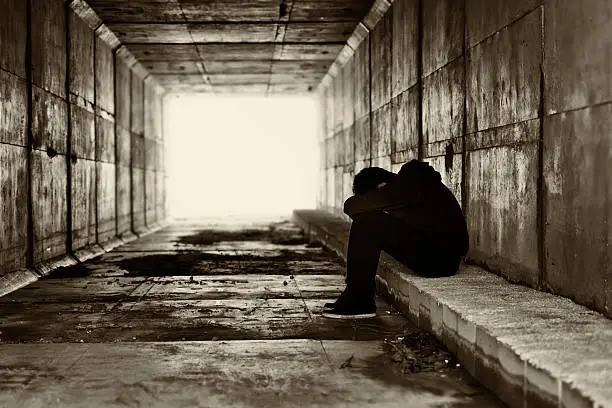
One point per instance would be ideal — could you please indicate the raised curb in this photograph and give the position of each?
(88, 252)
(15, 280)
(531, 348)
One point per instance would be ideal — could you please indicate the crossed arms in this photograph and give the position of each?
(387, 198)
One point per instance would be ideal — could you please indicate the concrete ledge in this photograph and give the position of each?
(16, 280)
(88, 252)
(127, 237)
(153, 228)
(111, 244)
(142, 232)
(45, 268)
(531, 348)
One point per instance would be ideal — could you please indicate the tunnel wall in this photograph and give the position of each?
(511, 102)
(67, 179)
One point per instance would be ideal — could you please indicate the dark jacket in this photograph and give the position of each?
(418, 197)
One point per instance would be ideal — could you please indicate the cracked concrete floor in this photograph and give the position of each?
(215, 313)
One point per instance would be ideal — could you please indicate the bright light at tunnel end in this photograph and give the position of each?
(240, 155)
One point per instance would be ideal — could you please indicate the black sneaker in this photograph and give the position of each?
(341, 299)
(350, 312)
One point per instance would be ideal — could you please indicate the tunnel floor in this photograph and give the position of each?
(216, 313)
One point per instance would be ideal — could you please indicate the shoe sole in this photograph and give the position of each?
(348, 317)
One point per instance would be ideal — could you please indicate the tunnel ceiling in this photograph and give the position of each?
(269, 46)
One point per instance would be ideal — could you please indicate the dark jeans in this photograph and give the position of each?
(372, 232)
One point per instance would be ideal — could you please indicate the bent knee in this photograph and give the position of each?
(371, 216)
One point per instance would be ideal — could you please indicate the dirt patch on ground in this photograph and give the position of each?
(180, 264)
(204, 261)
(210, 237)
(197, 263)
(76, 271)
(279, 234)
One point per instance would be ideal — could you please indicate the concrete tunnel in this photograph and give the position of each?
(511, 102)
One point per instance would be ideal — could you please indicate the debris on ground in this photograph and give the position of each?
(418, 352)
(348, 362)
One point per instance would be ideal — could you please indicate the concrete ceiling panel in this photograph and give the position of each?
(188, 88)
(152, 33)
(223, 79)
(311, 79)
(325, 52)
(173, 67)
(238, 67)
(181, 79)
(170, 52)
(319, 32)
(284, 89)
(123, 11)
(233, 33)
(225, 52)
(290, 88)
(299, 66)
(330, 10)
(266, 66)
(231, 10)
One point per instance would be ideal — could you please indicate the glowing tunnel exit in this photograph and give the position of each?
(240, 155)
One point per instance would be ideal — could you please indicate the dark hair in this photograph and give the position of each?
(369, 178)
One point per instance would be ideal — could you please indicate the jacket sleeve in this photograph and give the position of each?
(390, 197)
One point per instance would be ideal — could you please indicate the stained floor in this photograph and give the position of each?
(216, 313)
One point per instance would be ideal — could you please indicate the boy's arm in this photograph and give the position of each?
(387, 198)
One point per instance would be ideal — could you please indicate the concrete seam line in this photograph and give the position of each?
(541, 184)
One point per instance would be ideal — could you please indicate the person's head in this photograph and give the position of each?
(371, 178)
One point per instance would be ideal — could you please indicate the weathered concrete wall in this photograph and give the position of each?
(577, 151)
(105, 141)
(123, 87)
(50, 131)
(511, 103)
(82, 132)
(503, 86)
(137, 153)
(153, 117)
(13, 136)
(63, 149)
